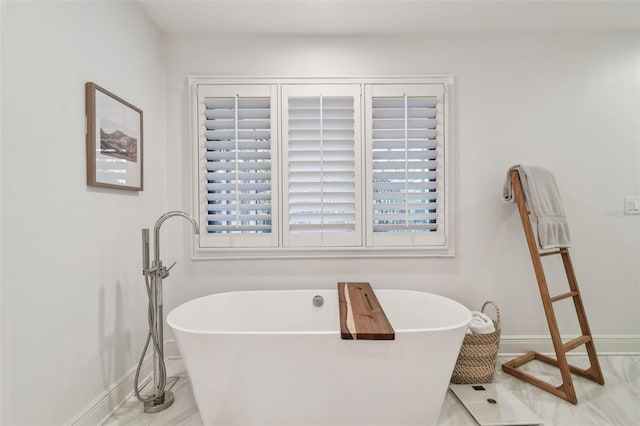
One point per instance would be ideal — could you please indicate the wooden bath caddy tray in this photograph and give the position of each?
(361, 315)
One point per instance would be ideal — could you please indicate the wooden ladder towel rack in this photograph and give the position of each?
(565, 390)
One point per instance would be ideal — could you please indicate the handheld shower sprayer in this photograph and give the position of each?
(153, 275)
(145, 251)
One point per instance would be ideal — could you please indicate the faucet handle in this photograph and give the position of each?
(163, 272)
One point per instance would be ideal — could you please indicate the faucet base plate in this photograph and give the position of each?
(157, 406)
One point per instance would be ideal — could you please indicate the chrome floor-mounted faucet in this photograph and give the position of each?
(154, 274)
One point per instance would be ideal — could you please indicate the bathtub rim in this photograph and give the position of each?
(335, 332)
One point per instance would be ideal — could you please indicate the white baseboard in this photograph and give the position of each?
(118, 393)
(171, 350)
(623, 344)
(111, 399)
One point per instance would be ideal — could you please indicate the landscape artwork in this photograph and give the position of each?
(114, 141)
(119, 145)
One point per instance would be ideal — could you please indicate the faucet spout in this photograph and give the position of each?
(160, 221)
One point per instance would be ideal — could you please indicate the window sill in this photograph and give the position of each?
(315, 253)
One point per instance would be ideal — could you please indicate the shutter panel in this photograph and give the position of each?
(321, 131)
(405, 179)
(236, 155)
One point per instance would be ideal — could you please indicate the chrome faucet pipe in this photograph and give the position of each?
(156, 230)
(153, 276)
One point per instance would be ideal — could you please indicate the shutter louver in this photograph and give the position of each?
(237, 139)
(321, 168)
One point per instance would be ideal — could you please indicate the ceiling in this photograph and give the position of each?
(390, 16)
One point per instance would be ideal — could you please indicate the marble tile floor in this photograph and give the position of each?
(615, 403)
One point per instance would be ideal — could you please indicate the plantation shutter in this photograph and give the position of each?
(405, 173)
(236, 162)
(321, 138)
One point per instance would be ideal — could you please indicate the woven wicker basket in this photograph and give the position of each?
(477, 359)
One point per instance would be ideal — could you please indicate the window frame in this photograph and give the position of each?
(446, 249)
(392, 239)
(321, 239)
(240, 241)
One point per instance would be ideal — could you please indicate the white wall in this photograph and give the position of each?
(1, 25)
(565, 101)
(73, 299)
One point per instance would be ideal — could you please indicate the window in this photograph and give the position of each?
(405, 179)
(237, 154)
(308, 167)
(322, 196)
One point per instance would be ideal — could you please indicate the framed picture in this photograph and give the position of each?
(114, 140)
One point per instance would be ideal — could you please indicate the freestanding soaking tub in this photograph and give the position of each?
(274, 358)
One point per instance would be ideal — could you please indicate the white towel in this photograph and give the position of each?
(480, 323)
(544, 203)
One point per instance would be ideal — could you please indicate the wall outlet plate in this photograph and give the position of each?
(631, 205)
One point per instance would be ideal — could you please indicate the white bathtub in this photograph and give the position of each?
(273, 358)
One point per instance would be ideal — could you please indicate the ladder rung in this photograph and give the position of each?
(572, 344)
(549, 253)
(563, 296)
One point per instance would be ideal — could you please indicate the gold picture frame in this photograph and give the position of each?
(114, 141)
